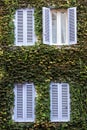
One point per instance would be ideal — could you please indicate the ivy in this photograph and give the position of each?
(42, 64)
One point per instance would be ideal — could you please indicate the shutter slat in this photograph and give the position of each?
(72, 25)
(46, 25)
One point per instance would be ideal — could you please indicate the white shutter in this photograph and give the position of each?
(30, 94)
(46, 25)
(72, 23)
(24, 27)
(18, 111)
(30, 27)
(60, 102)
(54, 101)
(65, 102)
(24, 103)
(19, 27)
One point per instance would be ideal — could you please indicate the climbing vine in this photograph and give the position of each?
(42, 64)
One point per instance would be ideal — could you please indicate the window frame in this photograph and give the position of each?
(71, 27)
(58, 13)
(25, 20)
(59, 113)
(24, 119)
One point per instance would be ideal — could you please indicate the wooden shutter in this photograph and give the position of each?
(72, 23)
(46, 25)
(54, 101)
(30, 27)
(19, 32)
(30, 94)
(60, 102)
(65, 102)
(24, 103)
(18, 112)
(24, 27)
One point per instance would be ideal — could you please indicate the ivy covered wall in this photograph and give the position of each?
(42, 64)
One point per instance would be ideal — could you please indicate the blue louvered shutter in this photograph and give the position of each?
(72, 24)
(46, 25)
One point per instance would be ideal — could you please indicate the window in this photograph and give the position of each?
(24, 103)
(59, 26)
(24, 27)
(59, 102)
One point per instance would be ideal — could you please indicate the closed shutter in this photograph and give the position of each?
(24, 27)
(30, 102)
(65, 102)
(18, 113)
(54, 101)
(30, 27)
(72, 22)
(24, 103)
(60, 104)
(19, 27)
(46, 25)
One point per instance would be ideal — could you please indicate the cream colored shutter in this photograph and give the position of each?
(65, 102)
(46, 25)
(72, 24)
(30, 102)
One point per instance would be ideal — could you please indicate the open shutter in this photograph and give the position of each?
(65, 102)
(30, 27)
(30, 102)
(18, 113)
(72, 22)
(19, 27)
(46, 25)
(54, 101)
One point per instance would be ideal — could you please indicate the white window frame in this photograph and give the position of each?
(58, 13)
(47, 19)
(59, 112)
(25, 42)
(24, 119)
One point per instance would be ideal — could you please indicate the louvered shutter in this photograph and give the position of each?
(54, 101)
(30, 27)
(65, 102)
(24, 27)
(30, 102)
(18, 113)
(19, 32)
(72, 24)
(46, 25)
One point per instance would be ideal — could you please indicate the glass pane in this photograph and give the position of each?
(54, 28)
(63, 27)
